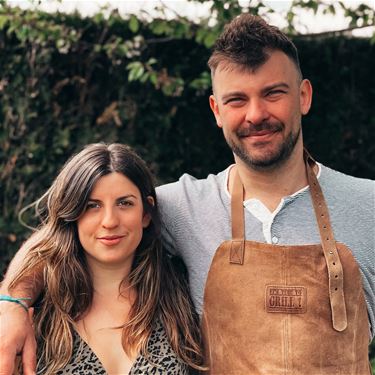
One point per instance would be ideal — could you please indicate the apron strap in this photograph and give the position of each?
(237, 250)
(334, 267)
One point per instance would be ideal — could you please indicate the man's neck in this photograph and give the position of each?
(270, 186)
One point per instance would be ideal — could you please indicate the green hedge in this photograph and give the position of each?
(66, 81)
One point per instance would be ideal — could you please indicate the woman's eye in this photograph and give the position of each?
(125, 203)
(91, 205)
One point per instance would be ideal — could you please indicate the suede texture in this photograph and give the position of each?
(241, 337)
(285, 310)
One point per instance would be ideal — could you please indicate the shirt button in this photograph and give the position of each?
(275, 239)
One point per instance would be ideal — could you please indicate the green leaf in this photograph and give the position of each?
(133, 65)
(152, 61)
(203, 82)
(154, 78)
(159, 27)
(97, 48)
(342, 5)
(144, 77)
(133, 24)
(200, 35)
(3, 21)
(209, 39)
(332, 9)
(136, 73)
(98, 18)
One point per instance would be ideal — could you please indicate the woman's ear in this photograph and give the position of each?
(147, 216)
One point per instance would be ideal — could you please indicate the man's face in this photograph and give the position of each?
(260, 111)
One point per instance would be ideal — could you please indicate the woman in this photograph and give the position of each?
(112, 301)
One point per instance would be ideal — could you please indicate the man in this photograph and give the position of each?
(281, 269)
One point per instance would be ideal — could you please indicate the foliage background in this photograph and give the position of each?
(68, 80)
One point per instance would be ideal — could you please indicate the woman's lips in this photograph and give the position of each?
(110, 240)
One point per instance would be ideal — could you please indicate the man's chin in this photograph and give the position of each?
(264, 163)
(266, 155)
(261, 158)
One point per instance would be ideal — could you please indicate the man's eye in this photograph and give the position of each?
(275, 92)
(234, 101)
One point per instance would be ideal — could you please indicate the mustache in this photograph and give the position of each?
(253, 129)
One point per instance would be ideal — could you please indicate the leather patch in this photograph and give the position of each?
(237, 249)
(286, 299)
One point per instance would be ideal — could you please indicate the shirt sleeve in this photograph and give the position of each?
(168, 209)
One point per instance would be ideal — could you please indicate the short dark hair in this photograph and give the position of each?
(247, 41)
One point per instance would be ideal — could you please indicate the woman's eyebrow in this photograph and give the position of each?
(119, 198)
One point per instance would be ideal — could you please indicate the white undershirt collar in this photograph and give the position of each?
(260, 211)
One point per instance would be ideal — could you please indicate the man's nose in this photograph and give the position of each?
(257, 112)
(110, 218)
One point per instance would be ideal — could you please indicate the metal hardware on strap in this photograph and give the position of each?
(334, 267)
(237, 251)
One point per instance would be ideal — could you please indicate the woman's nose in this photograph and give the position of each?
(110, 219)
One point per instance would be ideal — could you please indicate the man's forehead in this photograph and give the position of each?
(278, 66)
(228, 66)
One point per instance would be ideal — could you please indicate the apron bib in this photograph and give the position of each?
(282, 310)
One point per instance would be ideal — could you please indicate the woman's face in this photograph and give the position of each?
(111, 227)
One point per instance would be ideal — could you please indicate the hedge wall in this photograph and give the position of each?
(66, 81)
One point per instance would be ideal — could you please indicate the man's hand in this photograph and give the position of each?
(16, 338)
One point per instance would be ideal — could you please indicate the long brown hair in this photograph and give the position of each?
(68, 292)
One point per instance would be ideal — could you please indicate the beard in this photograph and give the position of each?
(270, 159)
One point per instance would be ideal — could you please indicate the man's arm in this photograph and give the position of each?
(16, 333)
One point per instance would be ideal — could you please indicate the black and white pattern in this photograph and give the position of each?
(161, 359)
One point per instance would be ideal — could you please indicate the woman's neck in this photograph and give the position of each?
(113, 296)
(107, 279)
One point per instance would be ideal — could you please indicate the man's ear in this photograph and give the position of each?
(306, 92)
(146, 220)
(215, 109)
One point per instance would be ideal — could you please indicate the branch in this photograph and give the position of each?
(161, 40)
(172, 10)
(333, 32)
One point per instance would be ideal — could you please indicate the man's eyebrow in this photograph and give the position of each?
(241, 94)
(277, 85)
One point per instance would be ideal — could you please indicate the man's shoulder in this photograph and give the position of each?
(340, 181)
(349, 191)
(188, 185)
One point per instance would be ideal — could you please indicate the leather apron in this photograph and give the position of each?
(281, 310)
